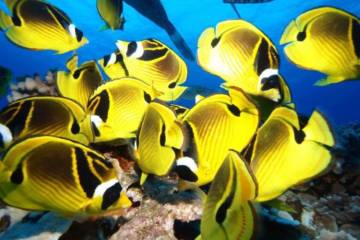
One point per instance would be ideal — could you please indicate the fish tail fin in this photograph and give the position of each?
(5, 21)
(318, 130)
(179, 42)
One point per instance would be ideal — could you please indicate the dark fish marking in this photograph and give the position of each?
(301, 36)
(355, 36)
(15, 17)
(162, 136)
(2, 144)
(75, 128)
(17, 177)
(234, 109)
(185, 173)
(95, 130)
(106, 60)
(172, 85)
(120, 59)
(275, 57)
(78, 71)
(222, 211)
(79, 34)
(88, 180)
(299, 136)
(132, 46)
(111, 195)
(103, 107)
(60, 16)
(153, 54)
(270, 83)
(18, 123)
(180, 110)
(262, 60)
(147, 97)
(215, 42)
(186, 230)
(190, 151)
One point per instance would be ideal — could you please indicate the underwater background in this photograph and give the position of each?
(338, 101)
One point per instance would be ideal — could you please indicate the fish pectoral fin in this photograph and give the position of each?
(143, 178)
(5, 21)
(329, 80)
(104, 28)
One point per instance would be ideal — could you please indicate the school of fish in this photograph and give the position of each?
(249, 143)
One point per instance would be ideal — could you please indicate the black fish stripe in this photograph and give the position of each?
(102, 109)
(17, 177)
(88, 180)
(150, 55)
(111, 195)
(355, 36)
(15, 15)
(60, 16)
(18, 123)
(262, 60)
(78, 71)
(131, 48)
(222, 210)
(120, 59)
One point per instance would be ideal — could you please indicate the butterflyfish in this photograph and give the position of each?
(243, 56)
(38, 25)
(111, 11)
(80, 82)
(326, 40)
(288, 151)
(45, 173)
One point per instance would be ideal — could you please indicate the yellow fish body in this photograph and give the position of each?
(286, 153)
(81, 82)
(243, 56)
(117, 107)
(228, 211)
(327, 40)
(38, 25)
(160, 138)
(45, 173)
(215, 125)
(151, 61)
(111, 12)
(55, 116)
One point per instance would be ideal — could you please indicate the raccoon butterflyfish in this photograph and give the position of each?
(327, 40)
(215, 125)
(288, 151)
(46, 173)
(111, 11)
(160, 139)
(80, 82)
(228, 211)
(243, 56)
(56, 116)
(151, 61)
(117, 107)
(38, 25)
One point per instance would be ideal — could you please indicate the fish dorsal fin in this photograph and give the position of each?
(318, 130)
(228, 214)
(287, 115)
(242, 101)
(72, 63)
(232, 24)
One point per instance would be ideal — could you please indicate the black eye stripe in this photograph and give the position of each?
(111, 195)
(132, 46)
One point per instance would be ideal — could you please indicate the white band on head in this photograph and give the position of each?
(188, 162)
(112, 59)
(72, 30)
(100, 189)
(96, 120)
(139, 52)
(6, 134)
(266, 74)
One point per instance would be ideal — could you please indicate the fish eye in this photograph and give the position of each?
(131, 48)
(215, 42)
(301, 36)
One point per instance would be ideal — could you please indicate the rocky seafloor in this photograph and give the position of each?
(326, 208)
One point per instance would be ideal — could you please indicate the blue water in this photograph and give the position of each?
(339, 102)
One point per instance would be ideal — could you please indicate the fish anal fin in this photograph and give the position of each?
(329, 80)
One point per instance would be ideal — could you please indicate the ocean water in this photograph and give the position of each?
(339, 102)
